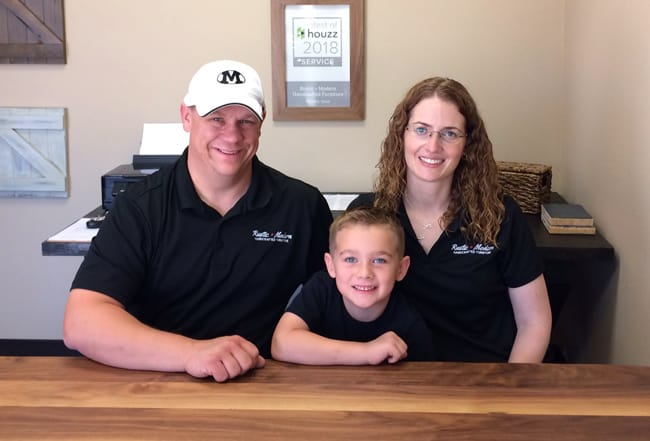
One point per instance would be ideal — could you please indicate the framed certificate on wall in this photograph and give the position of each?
(318, 59)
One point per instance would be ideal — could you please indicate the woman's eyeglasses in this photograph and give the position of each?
(446, 135)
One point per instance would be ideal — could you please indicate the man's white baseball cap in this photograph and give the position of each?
(224, 83)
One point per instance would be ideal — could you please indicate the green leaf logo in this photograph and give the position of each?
(300, 33)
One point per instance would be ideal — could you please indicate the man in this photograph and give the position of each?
(194, 265)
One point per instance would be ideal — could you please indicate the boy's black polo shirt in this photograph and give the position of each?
(320, 305)
(179, 266)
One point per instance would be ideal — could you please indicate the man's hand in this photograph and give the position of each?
(223, 358)
(387, 347)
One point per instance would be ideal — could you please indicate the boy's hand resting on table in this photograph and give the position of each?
(387, 347)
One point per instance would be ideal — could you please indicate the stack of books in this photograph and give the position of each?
(567, 219)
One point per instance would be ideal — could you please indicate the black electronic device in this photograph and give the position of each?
(153, 161)
(95, 222)
(117, 180)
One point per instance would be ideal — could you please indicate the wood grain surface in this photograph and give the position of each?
(72, 398)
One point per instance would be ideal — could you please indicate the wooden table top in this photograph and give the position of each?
(72, 398)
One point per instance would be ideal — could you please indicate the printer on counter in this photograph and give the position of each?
(162, 144)
(117, 180)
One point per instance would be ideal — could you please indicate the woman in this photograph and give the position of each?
(475, 273)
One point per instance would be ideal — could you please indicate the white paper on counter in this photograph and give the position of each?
(339, 201)
(163, 139)
(77, 232)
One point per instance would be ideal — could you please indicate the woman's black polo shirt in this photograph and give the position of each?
(461, 288)
(179, 266)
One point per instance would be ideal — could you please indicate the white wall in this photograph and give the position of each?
(607, 153)
(129, 63)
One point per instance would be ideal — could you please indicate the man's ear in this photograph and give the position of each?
(403, 268)
(329, 263)
(186, 117)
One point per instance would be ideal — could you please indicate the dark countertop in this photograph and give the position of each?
(551, 246)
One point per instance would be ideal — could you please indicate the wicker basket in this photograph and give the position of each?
(528, 184)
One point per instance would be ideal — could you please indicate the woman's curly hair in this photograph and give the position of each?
(476, 195)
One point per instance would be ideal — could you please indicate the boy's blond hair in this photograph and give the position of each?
(368, 216)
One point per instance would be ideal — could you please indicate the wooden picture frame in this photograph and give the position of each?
(32, 32)
(325, 79)
(33, 152)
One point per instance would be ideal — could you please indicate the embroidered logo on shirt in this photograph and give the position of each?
(478, 248)
(277, 236)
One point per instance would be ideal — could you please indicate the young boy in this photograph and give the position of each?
(351, 316)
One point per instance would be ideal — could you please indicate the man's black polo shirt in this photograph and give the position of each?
(178, 265)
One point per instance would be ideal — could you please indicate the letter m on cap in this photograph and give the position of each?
(231, 77)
